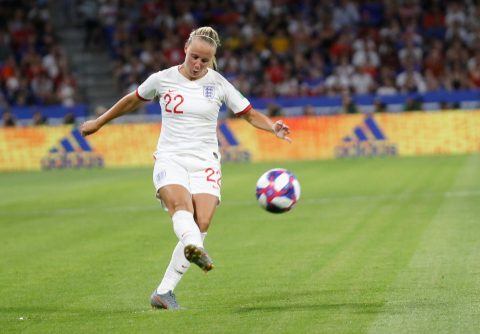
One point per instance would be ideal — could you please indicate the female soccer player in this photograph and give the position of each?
(187, 173)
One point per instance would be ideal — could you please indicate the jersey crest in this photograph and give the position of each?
(209, 91)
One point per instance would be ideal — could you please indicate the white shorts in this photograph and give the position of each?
(198, 175)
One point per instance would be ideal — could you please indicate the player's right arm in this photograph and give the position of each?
(126, 104)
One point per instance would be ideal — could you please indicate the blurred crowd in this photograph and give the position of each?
(270, 47)
(303, 47)
(33, 65)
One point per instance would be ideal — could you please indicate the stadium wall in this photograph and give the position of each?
(315, 137)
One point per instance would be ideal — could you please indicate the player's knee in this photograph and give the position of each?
(174, 206)
(203, 223)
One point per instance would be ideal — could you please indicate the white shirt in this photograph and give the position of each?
(361, 83)
(190, 109)
(402, 78)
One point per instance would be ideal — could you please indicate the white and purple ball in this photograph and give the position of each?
(278, 190)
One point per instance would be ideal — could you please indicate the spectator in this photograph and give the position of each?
(348, 104)
(410, 80)
(340, 79)
(473, 67)
(455, 14)
(39, 119)
(434, 64)
(433, 21)
(457, 31)
(362, 82)
(89, 10)
(275, 71)
(309, 110)
(457, 78)
(9, 119)
(408, 12)
(431, 81)
(43, 87)
(280, 43)
(456, 53)
(387, 87)
(445, 105)
(341, 47)
(366, 54)
(379, 106)
(410, 53)
(413, 103)
(66, 90)
(274, 110)
(345, 15)
(5, 51)
(69, 118)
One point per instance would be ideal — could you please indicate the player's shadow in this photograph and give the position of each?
(351, 307)
(307, 301)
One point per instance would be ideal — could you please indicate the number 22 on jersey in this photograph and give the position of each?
(173, 104)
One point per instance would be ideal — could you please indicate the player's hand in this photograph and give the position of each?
(89, 127)
(281, 130)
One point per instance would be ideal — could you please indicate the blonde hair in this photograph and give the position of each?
(209, 35)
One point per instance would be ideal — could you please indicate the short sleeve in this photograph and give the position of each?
(234, 100)
(148, 89)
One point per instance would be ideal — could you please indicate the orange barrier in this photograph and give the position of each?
(320, 137)
(341, 136)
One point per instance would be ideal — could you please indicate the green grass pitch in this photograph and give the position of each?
(374, 246)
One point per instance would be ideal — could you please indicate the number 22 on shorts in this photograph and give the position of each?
(214, 176)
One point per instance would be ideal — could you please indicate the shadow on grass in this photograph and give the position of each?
(318, 300)
(39, 311)
(367, 308)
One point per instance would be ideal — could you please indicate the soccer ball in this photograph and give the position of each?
(278, 190)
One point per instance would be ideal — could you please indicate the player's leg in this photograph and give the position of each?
(178, 200)
(177, 267)
(172, 187)
(163, 296)
(204, 180)
(204, 207)
(171, 182)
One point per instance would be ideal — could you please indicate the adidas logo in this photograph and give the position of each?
(229, 146)
(73, 151)
(366, 140)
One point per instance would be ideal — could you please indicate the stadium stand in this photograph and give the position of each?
(299, 53)
(34, 68)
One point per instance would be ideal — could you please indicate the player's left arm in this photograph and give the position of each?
(260, 121)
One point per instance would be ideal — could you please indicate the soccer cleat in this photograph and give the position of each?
(199, 256)
(165, 301)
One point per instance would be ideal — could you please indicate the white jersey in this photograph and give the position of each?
(190, 109)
